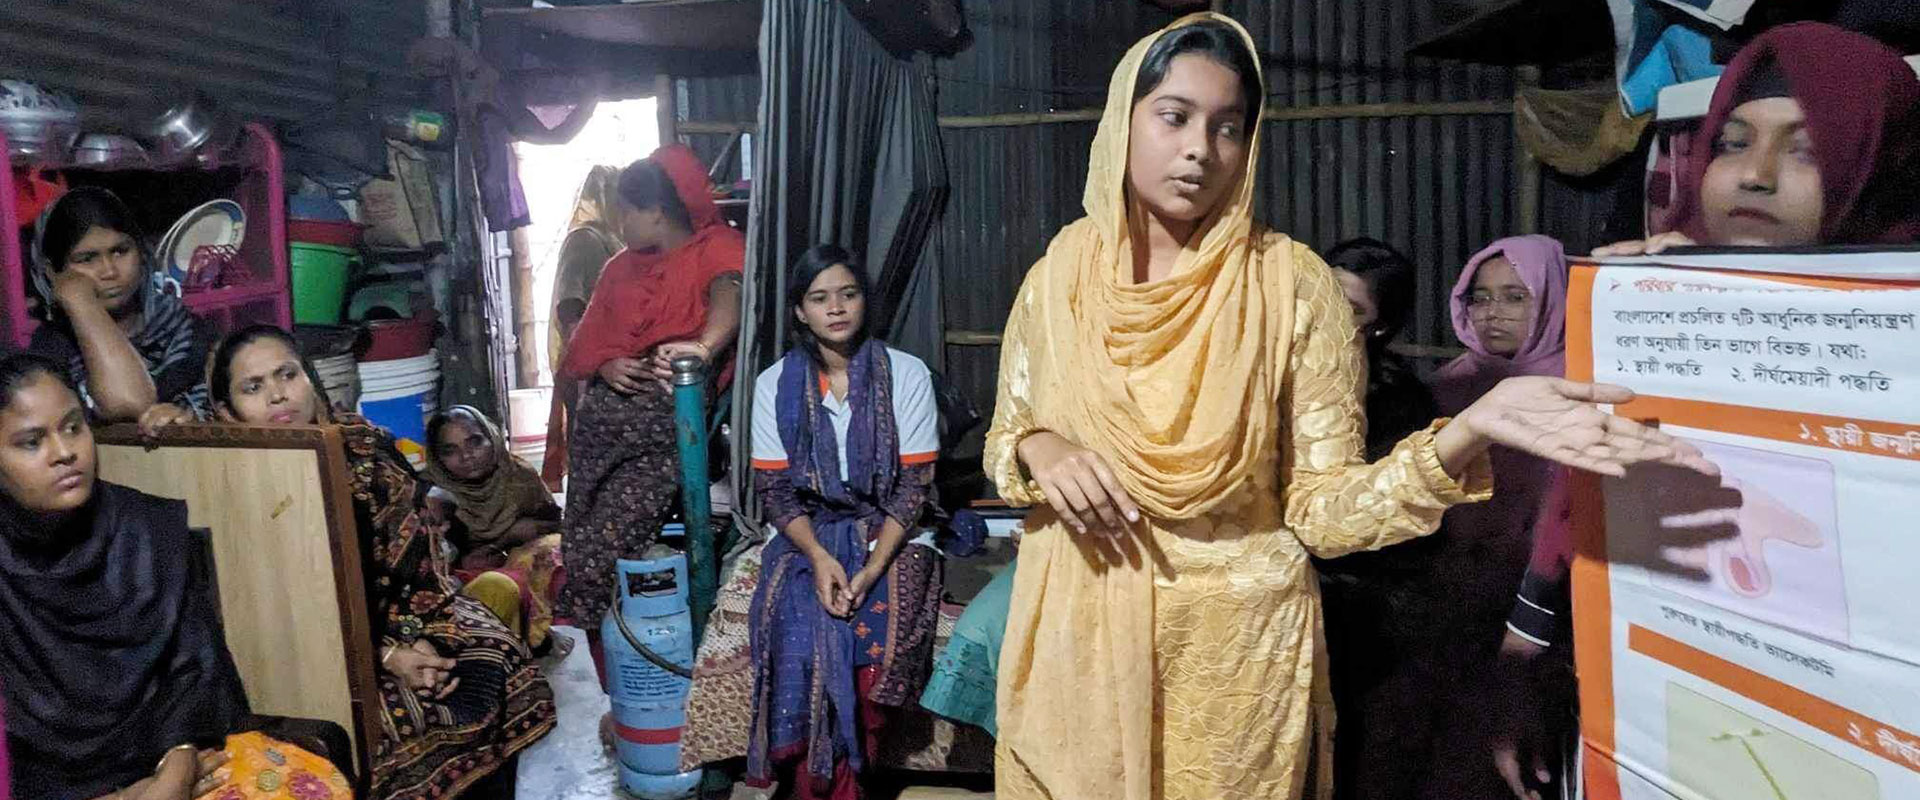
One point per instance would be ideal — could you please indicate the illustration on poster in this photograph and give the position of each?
(1720, 753)
(1760, 541)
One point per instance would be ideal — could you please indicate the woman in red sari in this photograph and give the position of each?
(674, 291)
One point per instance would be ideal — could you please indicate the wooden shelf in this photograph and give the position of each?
(689, 24)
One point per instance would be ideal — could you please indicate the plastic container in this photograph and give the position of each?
(394, 339)
(399, 376)
(389, 368)
(320, 209)
(413, 383)
(527, 411)
(341, 378)
(404, 414)
(319, 282)
(333, 234)
(400, 396)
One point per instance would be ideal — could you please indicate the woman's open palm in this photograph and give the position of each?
(1557, 420)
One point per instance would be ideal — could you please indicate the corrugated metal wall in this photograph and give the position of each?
(280, 59)
(728, 99)
(1438, 187)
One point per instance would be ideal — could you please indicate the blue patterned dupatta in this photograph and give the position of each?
(804, 693)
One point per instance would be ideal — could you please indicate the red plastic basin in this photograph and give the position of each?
(391, 339)
(313, 231)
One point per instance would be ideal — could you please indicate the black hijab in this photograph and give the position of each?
(112, 650)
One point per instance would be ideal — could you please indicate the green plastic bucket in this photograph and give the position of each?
(319, 282)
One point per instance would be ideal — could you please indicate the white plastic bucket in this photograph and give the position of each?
(399, 366)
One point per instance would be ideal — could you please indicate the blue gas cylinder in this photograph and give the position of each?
(650, 703)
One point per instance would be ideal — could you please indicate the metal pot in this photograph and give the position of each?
(96, 149)
(189, 126)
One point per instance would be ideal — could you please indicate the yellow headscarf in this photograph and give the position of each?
(1207, 345)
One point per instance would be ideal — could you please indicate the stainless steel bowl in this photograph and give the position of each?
(187, 127)
(95, 149)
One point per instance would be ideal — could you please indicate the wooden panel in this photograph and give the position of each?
(286, 556)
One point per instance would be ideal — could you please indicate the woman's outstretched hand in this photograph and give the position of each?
(1557, 420)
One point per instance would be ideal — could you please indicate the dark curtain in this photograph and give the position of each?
(849, 153)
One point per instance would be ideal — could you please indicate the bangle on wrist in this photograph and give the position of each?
(162, 764)
(388, 656)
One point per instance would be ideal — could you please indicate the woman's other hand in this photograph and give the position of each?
(664, 355)
(1078, 484)
(624, 374)
(1653, 245)
(1557, 420)
(830, 584)
(422, 669)
(1520, 740)
(210, 772)
(862, 583)
(184, 775)
(71, 288)
(160, 415)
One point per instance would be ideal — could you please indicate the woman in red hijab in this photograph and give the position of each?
(674, 291)
(1811, 142)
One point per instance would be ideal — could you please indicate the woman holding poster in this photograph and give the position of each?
(1811, 143)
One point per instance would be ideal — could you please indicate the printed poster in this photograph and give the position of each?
(1753, 636)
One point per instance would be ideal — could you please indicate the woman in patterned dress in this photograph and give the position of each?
(460, 695)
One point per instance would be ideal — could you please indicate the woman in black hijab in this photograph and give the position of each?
(115, 674)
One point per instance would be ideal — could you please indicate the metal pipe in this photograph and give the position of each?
(1460, 108)
(690, 433)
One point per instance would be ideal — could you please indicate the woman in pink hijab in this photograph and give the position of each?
(1509, 310)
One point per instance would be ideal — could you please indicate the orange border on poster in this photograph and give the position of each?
(1592, 632)
(1867, 437)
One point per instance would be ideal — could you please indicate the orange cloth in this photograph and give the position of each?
(266, 769)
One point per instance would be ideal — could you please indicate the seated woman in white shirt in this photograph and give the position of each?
(845, 434)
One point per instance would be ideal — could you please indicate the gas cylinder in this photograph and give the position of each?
(649, 699)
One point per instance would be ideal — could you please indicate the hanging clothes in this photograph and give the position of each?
(1655, 47)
